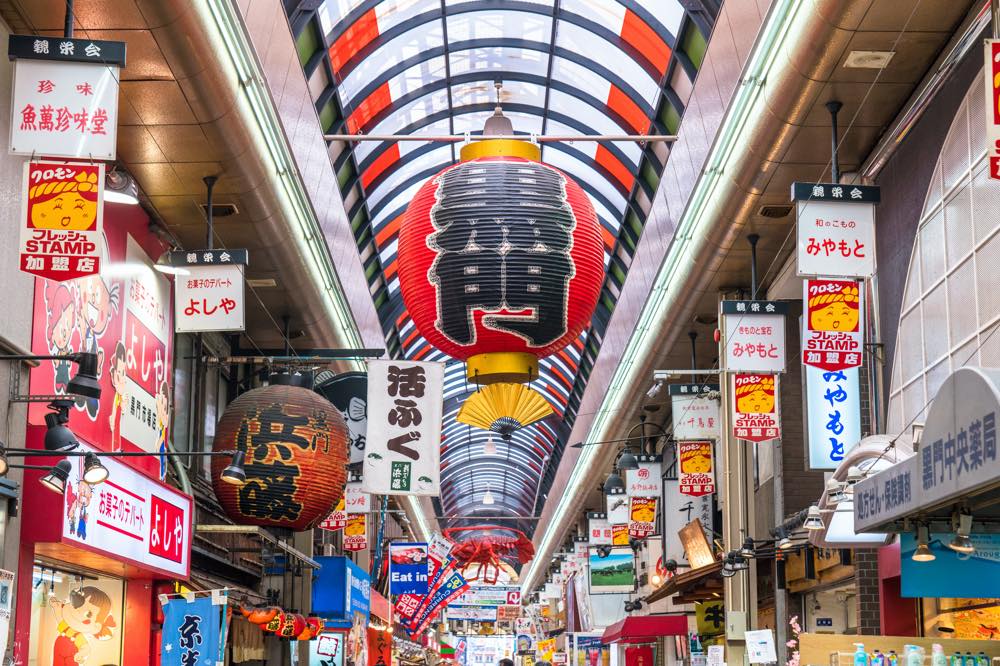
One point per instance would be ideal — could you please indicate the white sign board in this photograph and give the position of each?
(6, 604)
(617, 509)
(599, 532)
(356, 500)
(210, 298)
(992, 80)
(836, 238)
(760, 646)
(833, 415)
(693, 413)
(646, 481)
(402, 455)
(754, 342)
(64, 109)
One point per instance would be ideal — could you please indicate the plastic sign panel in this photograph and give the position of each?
(833, 336)
(619, 535)
(836, 229)
(755, 416)
(992, 81)
(336, 520)
(646, 481)
(617, 505)
(356, 532)
(210, 290)
(62, 216)
(642, 516)
(408, 568)
(833, 415)
(402, 455)
(696, 476)
(754, 335)
(508, 613)
(356, 500)
(599, 530)
(694, 414)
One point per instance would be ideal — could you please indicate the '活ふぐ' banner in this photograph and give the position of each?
(834, 324)
(755, 415)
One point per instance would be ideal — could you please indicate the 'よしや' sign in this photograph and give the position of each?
(402, 455)
(992, 81)
(834, 331)
(209, 291)
(62, 214)
(754, 335)
(836, 229)
(755, 415)
(695, 463)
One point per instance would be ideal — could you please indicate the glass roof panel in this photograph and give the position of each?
(629, 149)
(669, 13)
(585, 43)
(580, 77)
(412, 112)
(483, 92)
(439, 155)
(412, 43)
(495, 24)
(411, 79)
(596, 121)
(585, 173)
(494, 59)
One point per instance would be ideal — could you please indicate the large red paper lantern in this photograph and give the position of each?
(501, 260)
(296, 457)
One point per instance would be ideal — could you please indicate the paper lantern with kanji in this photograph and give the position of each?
(296, 457)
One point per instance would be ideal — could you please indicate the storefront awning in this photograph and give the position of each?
(699, 584)
(645, 629)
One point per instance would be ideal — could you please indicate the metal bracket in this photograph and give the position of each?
(15, 394)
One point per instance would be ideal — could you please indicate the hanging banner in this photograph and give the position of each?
(754, 335)
(194, 629)
(209, 290)
(642, 516)
(755, 415)
(65, 99)
(356, 500)
(696, 475)
(599, 530)
(693, 413)
(402, 456)
(647, 480)
(992, 81)
(349, 394)
(62, 219)
(619, 535)
(833, 415)
(379, 647)
(833, 335)
(440, 546)
(408, 568)
(617, 505)
(327, 649)
(449, 589)
(356, 532)
(836, 229)
(336, 520)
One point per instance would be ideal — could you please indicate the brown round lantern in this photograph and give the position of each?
(295, 446)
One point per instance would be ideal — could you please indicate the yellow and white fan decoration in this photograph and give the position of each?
(504, 408)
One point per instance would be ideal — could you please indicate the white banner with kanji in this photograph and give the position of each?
(836, 237)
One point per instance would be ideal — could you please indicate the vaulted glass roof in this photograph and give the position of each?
(568, 67)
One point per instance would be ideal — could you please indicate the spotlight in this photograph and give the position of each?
(738, 562)
(488, 497)
(120, 187)
(814, 520)
(656, 580)
(85, 382)
(634, 544)
(923, 552)
(234, 473)
(603, 551)
(784, 543)
(627, 461)
(748, 550)
(654, 390)
(962, 543)
(614, 484)
(56, 479)
(834, 492)
(58, 437)
(854, 475)
(633, 605)
(163, 265)
(93, 471)
(728, 571)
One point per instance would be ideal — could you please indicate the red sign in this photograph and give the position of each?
(696, 476)
(163, 537)
(834, 334)
(639, 655)
(992, 80)
(356, 532)
(755, 418)
(336, 520)
(62, 211)
(642, 516)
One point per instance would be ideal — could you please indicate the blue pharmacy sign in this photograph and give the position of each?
(408, 568)
(340, 589)
(951, 574)
(194, 630)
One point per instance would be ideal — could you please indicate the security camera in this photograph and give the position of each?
(655, 389)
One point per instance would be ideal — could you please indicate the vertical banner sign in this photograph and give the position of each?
(754, 335)
(210, 294)
(834, 327)
(836, 229)
(402, 456)
(349, 394)
(647, 480)
(992, 72)
(642, 516)
(356, 532)
(694, 414)
(696, 476)
(62, 216)
(356, 500)
(617, 505)
(327, 649)
(336, 520)
(408, 568)
(599, 530)
(833, 415)
(194, 629)
(619, 535)
(755, 415)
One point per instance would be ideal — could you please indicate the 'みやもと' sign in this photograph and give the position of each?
(836, 229)
(833, 335)
(62, 214)
(209, 290)
(755, 416)
(833, 415)
(402, 454)
(754, 335)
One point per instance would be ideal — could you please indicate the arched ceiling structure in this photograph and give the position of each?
(568, 67)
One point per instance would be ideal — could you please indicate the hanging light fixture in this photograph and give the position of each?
(834, 492)
(56, 479)
(923, 552)
(234, 473)
(490, 448)
(488, 496)
(93, 471)
(58, 437)
(854, 476)
(614, 484)
(85, 381)
(120, 187)
(962, 543)
(627, 461)
(748, 550)
(784, 543)
(814, 519)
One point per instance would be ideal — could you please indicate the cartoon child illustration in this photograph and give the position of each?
(60, 318)
(163, 424)
(835, 311)
(699, 463)
(64, 203)
(118, 368)
(77, 504)
(84, 618)
(98, 302)
(756, 397)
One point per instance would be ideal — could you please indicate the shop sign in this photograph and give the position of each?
(619, 535)
(65, 99)
(836, 229)
(710, 617)
(679, 510)
(833, 336)
(356, 532)
(646, 481)
(614, 574)
(194, 629)
(62, 219)
(490, 596)
(639, 655)
(833, 415)
(379, 647)
(957, 457)
(475, 613)
(617, 505)
(642, 516)
(327, 649)
(755, 407)
(508, 613)
(599, 530)
(408, 568)
(402, 455)
(696, 476)
(210, 298)
(348, 392)
(694, 414)
(696, 546)
(356, 500)
(129, 517)
(336, 520)
(754, 335)
(951, 574)
(992, 81)
(341, 589)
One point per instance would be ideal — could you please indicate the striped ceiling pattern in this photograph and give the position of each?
(568, 67)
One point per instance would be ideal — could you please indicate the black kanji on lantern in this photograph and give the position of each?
(504, 235)
(269, 491)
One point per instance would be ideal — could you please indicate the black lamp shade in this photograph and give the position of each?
(58, 437)
(93, 471)
(85, 382)
(234, 473)
(56, 479)
(628, 461)
(614, 484)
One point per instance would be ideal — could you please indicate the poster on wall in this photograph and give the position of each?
(62, 218)
(694, 414)
(836, 229)
(348, 392)
(696, 475)
(754, 334)
(356, 532)
(642, 517)
(992, 80)
(408, 568)
(614, 574)
(755, 415)
(647, 479)
(402, 454)
(833, 415)
(833, 335)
